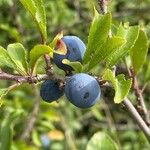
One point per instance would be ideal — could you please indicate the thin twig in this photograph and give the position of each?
(111, 123)
(49, 67)
(70, 140)
(33, 116)
(144, 87)
(139, 94)
(137, 118)
(14, 86)
(103, 5)
(140, 98)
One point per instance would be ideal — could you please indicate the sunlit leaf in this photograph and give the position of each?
(106, 50)
(120, 84)
(36, 53)
(139, 51)
(18, 55)
(5, 59)
(98, 34)
(101, 141)
(131, 35)
(3, 92)
(77, 66)
(36, 138)
(37, 10)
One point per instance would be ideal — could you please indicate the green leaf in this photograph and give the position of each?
(5, 59)
(36, 138)
(6, 129)
(106, 50)
(3, 92)
(5, 134)
(101, 141)
(12, 31)
(77, 66)
(98, 34)
(36, 52)
(120, 84)
(131, 35)
(37, 11)
(18, 54)
(139, 51)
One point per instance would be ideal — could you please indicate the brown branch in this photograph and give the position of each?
(135, 115)
(27, 79)
(49, 68)
(6, 76)
(103, 5)
(137, 118)
(140, 99)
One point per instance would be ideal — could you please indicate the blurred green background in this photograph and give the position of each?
(61, 124)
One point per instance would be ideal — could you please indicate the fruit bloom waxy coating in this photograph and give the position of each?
(50, 91)
(82, 90)
(73, 48)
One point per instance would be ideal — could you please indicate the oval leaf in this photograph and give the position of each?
(130, 35)
(18, 54)
(139, 51)
(98, 34)
(120, 84)
(37, 10)
(101, 141)
(106, 50)
(3, 92)
(36, 53)
(5, 134)
(77, 66)
(5, 59)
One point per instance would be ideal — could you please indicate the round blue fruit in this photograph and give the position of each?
(75, 50)
(82, 90)
(45, 140)
(50, 91)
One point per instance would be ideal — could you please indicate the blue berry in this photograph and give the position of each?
(75, 50)
(45, 140)
(82, 90)
(50, 91)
